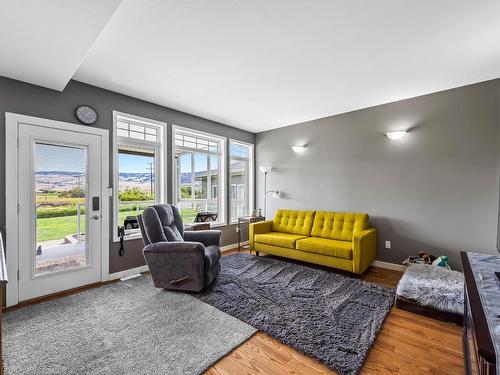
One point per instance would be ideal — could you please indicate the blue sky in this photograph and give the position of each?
(200, 162)
(134, 163)
(68, 159)
(59, 158)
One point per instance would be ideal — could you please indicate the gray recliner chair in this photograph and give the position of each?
(176, 259)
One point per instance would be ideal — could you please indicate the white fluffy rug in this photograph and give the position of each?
(433, 286)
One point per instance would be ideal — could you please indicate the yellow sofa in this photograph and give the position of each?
(341, 240)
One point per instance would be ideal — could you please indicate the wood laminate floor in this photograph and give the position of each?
(407, 344)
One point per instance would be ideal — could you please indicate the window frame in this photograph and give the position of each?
(251, 176)
(222, 156)
(160, 151)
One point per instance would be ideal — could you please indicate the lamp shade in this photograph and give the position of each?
(265, 168)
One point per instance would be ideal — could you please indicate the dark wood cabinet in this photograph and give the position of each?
(481, 301)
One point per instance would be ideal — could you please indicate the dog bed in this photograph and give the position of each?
(432, 291)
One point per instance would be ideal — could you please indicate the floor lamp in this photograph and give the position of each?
(276, 193)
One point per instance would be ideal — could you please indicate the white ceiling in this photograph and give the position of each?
(44, 42)
(261, 64)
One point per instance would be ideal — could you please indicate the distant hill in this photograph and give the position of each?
(64, 180)
(58, 173)
(136, 177)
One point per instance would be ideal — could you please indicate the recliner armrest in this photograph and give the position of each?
(259, 227)
(206, 237)
(364, 249)
(175, 247)
(176, 265)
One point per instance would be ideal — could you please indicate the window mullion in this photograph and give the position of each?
(209, 180)
(193, 176)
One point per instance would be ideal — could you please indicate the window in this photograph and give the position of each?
(241, 179)
(138, 169)
(200, 178)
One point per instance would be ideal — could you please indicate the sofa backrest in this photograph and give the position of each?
(338, 225)
(294, 222)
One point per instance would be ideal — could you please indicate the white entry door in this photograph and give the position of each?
(60, 187)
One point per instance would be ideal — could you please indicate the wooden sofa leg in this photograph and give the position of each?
(256, 253)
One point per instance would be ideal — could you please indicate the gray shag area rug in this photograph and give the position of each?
(327, 316)
(433, 286)
(128, 327)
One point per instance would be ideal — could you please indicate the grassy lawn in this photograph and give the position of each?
(55, 228)
(123, 214)
(55, 198)
(188, 215)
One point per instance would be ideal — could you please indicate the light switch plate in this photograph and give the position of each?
(387, 244)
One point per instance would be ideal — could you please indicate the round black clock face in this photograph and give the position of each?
(86, 114)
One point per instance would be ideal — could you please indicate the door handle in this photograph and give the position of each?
(95, 217)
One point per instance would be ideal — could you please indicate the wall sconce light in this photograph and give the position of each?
(299, 149)
(275, 194)
(394, 136)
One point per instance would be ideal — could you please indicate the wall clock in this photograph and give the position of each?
(86, 114)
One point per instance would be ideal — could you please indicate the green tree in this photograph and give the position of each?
(76, 192)
(134, 194)
(186, 192)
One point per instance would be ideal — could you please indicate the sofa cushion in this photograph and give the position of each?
(338, 225)
(278, 239)
(294, 222)
(324, 246)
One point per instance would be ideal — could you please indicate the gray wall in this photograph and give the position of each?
(23, 98)
(435, 190)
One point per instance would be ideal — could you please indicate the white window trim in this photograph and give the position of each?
(223, 160)
(160, 166)
(250, 177)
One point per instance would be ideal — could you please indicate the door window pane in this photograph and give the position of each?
(60, 202)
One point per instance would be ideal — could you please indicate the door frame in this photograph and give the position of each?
(12, 121)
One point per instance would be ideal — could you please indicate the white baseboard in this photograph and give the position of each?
(233, 246)
(127, 273)
(391, 266)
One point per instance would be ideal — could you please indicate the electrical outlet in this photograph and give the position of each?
(387, 244)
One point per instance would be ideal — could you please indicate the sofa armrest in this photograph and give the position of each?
(364, 249)
(259, 227)
(206, 237)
